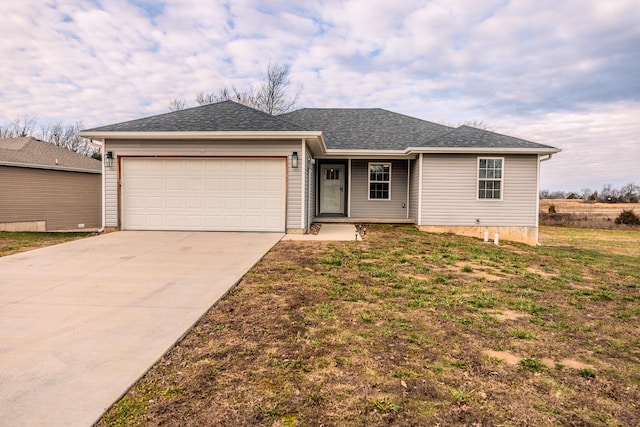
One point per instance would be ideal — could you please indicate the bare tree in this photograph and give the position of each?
(271, 96)
(585, 193)
(56, 133)
(18, 128)
(177, 104)
(65, 136)
(630, 192)
(473, 123)
(478, 124)
(245, 97)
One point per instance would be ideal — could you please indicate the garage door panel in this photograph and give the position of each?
(254, 203)
(155, 202)
(154, 184)
(253, 185)
(233, 203)
(204, 194)
(214, 203)
(233, 184)
(273, 185)
(194, 203)
(175, 202)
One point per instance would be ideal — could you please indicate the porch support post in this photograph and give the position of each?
(349, 193)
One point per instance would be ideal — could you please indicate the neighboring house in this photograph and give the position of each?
(47, 188)
(228, 167)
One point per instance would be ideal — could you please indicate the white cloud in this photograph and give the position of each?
(563, 73)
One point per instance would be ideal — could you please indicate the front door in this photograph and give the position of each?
(332, 189)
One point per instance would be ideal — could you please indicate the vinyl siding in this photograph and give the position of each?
(63, 199)
(208, 149)
(364, 208)
(450, 192)
(414, 187)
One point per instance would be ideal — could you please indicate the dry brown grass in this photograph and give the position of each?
(13, 242)
(409, 328)
(577, 213)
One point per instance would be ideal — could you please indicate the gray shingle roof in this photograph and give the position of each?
(226, 116)
(366, 128)
(32, 152)
(342, 128)
(470, 137)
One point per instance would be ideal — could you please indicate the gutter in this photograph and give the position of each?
(101, 135)
(51, 167)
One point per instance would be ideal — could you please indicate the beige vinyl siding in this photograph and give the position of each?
(414, 187)
(450, 192)
(362, 207)
(111, 195)
(61, 198)
(209, 149)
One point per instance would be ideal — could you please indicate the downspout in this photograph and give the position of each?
(540, 160)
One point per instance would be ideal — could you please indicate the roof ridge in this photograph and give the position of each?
(188, 112)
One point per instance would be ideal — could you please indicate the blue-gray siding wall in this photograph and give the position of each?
(362, 207)
(449, 192)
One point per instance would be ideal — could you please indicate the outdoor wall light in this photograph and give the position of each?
(108, 161)
(294, 159)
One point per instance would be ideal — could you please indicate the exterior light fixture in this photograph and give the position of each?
(108, 162)
(294, 159)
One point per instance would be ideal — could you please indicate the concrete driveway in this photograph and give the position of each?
(80, 322)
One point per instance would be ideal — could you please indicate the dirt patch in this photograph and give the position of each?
(474, 270)
(505, 356)
(541, 272)
(504, 315)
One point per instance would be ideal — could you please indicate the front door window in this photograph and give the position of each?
(332, 189)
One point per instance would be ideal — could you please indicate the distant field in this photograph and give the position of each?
(582, 214)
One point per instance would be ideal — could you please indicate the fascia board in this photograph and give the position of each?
(200, 135)
(482, 150)
(57, 168)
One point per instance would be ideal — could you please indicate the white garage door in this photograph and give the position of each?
(203, 194)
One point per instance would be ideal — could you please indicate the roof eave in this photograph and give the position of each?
(50, 167)
(103, 135)
(483, 150)
(412, 151)
(369, 154)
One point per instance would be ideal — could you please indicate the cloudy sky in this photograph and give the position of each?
(559, 72)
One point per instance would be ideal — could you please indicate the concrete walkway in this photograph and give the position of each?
(80, 322)
(329, 232)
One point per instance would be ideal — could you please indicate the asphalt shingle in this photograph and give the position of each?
(470, 137)
(227, 116)
(366, 128)
(30, 151)
(342, 128)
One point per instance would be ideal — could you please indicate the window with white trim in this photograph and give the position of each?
(490, 171)
(379, 181)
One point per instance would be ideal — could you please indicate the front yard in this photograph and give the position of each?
(409, 328)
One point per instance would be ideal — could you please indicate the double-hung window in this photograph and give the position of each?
(379, 181)
(490, 173)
